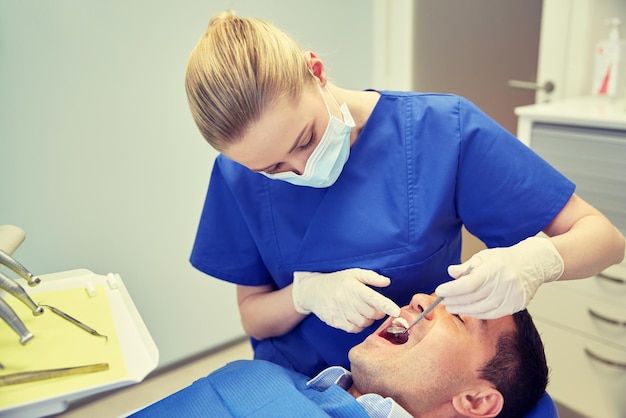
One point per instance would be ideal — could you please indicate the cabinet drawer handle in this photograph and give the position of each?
(606, 319)
(602, 360)
(611, 278)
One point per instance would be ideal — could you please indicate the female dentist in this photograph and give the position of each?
(328, 208)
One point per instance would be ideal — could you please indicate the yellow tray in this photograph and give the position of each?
(129, 350)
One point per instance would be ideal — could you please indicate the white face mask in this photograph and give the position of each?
(327, 160)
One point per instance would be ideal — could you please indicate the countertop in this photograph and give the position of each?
(589, 111)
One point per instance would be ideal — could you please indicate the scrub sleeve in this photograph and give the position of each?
(423, 166)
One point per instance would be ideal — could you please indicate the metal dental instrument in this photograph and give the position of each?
(15, 289)
(399, 329)
(75, 321)
(25, 377)
(18, 268)
(10, 238)
(10, 317)
(8, 314)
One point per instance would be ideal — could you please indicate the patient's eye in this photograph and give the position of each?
(458, 317)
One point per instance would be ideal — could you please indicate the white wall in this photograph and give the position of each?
(102, 165)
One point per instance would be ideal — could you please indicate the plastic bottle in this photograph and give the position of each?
(610, 63)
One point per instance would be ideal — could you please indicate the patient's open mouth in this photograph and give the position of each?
(395, 338)
(397, 333)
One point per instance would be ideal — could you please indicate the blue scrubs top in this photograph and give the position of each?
(422, 166)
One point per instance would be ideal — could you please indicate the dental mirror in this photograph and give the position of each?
(398, 333)
(401, 329)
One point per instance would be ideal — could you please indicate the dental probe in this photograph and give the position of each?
(75, 321)
(399, 329)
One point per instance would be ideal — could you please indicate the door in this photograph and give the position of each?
(473, 48)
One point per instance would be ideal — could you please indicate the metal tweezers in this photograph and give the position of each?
(26, 377)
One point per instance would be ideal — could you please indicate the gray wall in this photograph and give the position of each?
(102, 165)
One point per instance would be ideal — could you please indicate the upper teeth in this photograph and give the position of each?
(399, 321)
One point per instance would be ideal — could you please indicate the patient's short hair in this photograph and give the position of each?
(519, 369)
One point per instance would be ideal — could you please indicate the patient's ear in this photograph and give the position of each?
(484, 402)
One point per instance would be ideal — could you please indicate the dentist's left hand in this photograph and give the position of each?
(342, 299)
(503, 280)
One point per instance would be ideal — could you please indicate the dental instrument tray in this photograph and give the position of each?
(103, 302)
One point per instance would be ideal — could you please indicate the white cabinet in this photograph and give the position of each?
(583, 322)
(584, 334)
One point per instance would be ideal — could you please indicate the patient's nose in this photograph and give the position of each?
(422, 301)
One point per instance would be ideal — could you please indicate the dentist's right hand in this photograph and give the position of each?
(342, 299)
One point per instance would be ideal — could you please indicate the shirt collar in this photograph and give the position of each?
(375, 405)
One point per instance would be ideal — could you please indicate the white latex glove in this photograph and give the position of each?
(503, 280)
(342, 299)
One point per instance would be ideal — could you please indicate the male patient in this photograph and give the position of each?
(451, 366)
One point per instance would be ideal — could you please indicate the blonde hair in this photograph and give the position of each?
(238, 68)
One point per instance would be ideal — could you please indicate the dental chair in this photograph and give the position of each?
(545, 408)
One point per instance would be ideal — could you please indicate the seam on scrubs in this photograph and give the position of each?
(409, 166)
(459, 158)
(268, 191)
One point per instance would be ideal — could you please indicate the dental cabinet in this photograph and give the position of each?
(583, 322)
